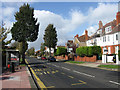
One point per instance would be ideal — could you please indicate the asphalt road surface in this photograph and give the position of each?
(63, 75)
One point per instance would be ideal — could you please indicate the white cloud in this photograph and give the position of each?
(104, 12)
(63, 26)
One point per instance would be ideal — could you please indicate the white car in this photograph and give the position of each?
(38, 57)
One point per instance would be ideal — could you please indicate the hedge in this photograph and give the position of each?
(88, 51)
(119, 54)
(60, 51)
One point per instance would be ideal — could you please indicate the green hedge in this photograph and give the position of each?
(60, 51)
(88, 51)
(119, 54)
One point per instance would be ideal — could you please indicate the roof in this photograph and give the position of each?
(115, 28)
(71, 41)
(82, 38)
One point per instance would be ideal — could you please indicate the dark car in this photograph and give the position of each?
(43, 58)
(51, 59)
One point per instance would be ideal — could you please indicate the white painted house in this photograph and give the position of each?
(108, 37)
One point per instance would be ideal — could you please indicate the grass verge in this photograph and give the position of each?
(76, 62)
(22, 65)
(110, 66)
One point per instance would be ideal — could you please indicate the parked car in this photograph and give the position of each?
(43, 58)
(51, 59)
(14, 59)
(38, 57)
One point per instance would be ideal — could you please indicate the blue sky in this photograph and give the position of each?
(69, 18)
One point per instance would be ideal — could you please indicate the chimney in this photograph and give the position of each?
(76, 35)
(86, 35)
(100, 24)
(118, 14)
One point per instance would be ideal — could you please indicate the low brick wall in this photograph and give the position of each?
(86, 59)
(61, 57)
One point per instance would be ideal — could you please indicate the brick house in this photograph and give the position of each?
(107, 36)
(80, 41)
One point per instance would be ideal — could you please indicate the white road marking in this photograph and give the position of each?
(83, 73)
(65, 68)
(55, 65)
(115, 82)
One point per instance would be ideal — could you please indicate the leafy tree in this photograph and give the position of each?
(31, 51)
(42, 49)
(3, 35)
(26, 28)
(50, 37)
(61, 51)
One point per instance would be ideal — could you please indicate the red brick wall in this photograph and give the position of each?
(61, 57)
(86, 59)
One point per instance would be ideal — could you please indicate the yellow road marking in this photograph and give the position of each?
(56, 70)
(45, 73)
(82, 81)
(76, 83)
(40, 83)
(71, 76)
(51, 87)
(53, 71)
(48, 72)
(26, 61)
(41, 73)
(62, 73)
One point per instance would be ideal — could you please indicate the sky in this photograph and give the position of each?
(69, 18)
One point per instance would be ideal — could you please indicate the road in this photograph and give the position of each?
(63, 75)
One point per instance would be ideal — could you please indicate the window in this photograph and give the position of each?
(116, 36)
(103, 39)
(116, 49)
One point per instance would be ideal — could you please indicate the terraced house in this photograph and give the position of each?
(107, 36)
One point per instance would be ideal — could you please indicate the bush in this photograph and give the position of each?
(88, 51)
(61, 51)
(96, 50)
(119, 54)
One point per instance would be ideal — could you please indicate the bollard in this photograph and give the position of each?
(13, 67)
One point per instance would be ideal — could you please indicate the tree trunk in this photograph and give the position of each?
(23, 52)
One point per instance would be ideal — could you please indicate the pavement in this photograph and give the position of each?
(19, 79)
(64, 75)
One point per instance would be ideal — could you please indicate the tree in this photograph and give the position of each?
(19, 45)
(3, 35)
(61, 51)
(26, 28)
(31, 51)
(50, 37)
(42, 49)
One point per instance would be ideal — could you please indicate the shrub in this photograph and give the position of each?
(88, 51)
(96, 50)
(61, 51)
(119, 55)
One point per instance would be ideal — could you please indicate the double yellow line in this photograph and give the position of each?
(40, 83)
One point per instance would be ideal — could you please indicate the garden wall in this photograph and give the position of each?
(61, 57)
(86, 59)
